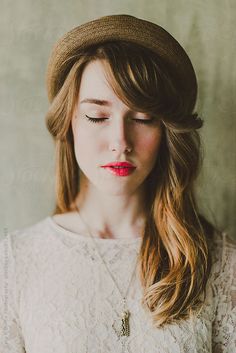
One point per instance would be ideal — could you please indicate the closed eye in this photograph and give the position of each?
(144, 121)
(95, 120)
(100, 120)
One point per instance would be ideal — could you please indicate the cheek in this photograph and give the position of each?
(149, 143)
(86, 144)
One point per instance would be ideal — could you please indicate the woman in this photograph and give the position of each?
(126, 263)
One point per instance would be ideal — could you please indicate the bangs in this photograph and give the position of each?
(141, 80)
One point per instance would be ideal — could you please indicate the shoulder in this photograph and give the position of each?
(71, 222)
(22, 241)
(222, 249)
(18, 253)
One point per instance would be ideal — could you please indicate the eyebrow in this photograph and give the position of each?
(96, 101)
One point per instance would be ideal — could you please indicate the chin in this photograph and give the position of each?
(113, 189)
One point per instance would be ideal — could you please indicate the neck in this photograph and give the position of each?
(112, 216)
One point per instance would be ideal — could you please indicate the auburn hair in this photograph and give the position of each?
(174, 258)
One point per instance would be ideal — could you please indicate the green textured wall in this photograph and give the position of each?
(28, 30)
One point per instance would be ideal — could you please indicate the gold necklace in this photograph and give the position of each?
(124, 327)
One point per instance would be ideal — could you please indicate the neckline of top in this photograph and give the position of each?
(87, 238)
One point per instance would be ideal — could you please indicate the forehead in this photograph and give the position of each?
(94, 79)
(94, 85)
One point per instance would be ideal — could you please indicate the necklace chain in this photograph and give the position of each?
(124, 328)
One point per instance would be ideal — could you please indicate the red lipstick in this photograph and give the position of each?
(119, 168)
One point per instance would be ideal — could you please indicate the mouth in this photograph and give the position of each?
(120, 168)
(119, 164)
(120, 171)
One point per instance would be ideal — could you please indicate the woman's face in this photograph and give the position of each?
(114, 128)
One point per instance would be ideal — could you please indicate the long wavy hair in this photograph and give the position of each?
(174, 257)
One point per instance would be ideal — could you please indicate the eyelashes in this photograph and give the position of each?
(100, 120)
(95, 120)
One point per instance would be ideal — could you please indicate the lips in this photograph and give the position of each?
(120, 168)
(119, 164)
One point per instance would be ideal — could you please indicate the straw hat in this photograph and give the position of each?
(120, 27)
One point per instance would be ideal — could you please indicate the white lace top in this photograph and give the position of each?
(57, 297)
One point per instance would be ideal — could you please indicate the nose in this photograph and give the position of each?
(119, 141)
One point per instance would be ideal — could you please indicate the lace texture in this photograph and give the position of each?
(57, 297)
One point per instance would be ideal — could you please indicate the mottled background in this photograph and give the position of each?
(28, 29)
